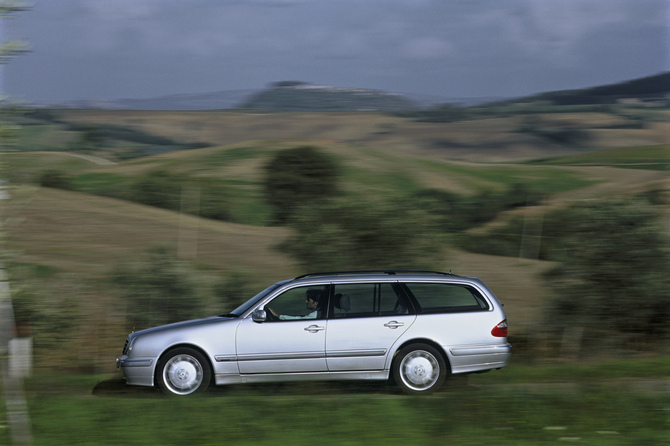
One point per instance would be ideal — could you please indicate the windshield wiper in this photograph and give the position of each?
(229, 315)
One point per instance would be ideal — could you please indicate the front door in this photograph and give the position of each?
(292, 341)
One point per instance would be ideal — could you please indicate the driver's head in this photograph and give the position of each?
(312, 298)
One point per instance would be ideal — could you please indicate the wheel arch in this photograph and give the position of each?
(426, 341)
(184, 345)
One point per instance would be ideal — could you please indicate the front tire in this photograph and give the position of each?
(183, 371)
(419, 369)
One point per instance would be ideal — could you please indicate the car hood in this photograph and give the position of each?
(185, 324)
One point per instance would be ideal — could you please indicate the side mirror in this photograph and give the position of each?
(259, 316)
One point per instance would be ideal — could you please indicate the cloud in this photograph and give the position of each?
(426, 48)
(125, 48)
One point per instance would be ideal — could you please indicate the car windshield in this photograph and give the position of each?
(239, 311)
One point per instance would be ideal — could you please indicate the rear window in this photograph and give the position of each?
(447, 298)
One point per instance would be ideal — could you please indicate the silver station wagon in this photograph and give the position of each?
(414, 326)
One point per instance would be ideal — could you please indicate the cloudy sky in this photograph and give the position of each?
(113, 49)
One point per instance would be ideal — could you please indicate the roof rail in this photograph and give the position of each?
(389, 272)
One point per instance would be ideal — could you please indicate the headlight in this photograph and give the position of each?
(128, 346)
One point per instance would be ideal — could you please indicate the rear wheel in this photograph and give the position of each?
(419, 369)
(183, 371)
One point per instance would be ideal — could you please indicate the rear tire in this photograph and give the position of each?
(419, 369)
(183, 371)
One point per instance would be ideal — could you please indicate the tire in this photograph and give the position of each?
(183, 371)
(419, 369)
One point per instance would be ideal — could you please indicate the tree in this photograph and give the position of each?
(613, 278)
(296, 177)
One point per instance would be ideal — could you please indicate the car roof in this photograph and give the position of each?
(377, 275)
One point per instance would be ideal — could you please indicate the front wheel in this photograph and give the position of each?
(183, 371)
(419, 369)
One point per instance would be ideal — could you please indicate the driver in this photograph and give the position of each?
(312, 298)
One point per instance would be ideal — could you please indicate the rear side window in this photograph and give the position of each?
(447, 298)
(368, 299)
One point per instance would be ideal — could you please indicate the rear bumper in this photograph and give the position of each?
(476, 358)
(137, 371)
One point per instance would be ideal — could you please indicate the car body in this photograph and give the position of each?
(415, 326)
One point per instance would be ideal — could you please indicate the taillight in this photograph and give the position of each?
(500, 330)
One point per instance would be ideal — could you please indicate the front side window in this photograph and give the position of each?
(299, 303)
(446, 298)
(368, 299)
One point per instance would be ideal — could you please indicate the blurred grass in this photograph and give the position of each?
(63, 411)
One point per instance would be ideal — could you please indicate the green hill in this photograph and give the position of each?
(648, 88)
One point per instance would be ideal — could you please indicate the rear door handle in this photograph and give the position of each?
(394, 324)
(314, 328)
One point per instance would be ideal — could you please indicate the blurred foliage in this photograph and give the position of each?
(613, 277)
(234, 289)
(53, 310)
(205, 197)
(611, 284)
(456, 213)
(158, 289)
(158, 188)
(296, 177)
(348, 233)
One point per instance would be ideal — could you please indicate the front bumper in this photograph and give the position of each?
(137, 371)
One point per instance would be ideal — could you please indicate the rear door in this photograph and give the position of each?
(365, 320)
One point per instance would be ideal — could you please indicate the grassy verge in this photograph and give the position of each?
(85, 410)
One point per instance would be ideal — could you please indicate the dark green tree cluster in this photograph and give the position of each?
(299, 177)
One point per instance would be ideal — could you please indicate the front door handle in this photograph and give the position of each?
(394, 324)
(314, 328)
